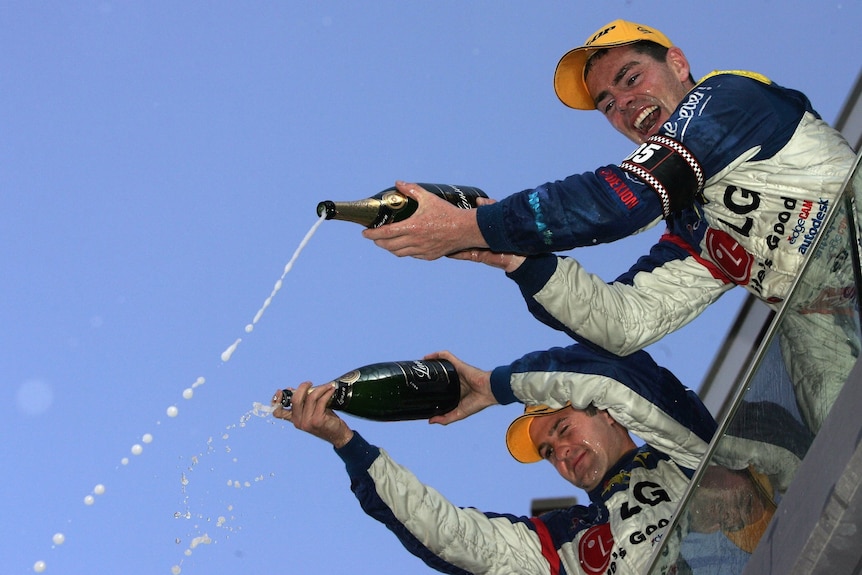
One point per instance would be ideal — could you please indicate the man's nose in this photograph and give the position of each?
(561, 453)
(625, 102)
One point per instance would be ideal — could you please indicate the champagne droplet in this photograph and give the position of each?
(228, 353)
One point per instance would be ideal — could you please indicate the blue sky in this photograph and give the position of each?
(161, 162)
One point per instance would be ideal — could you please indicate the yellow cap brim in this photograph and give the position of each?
(518, 439)
(569, 81)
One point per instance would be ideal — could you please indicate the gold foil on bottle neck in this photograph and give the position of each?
(394, 200)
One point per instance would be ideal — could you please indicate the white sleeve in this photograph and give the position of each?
(666, 428)
(623, 318)
(464, 537)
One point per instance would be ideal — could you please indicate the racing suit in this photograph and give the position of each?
(627, 511)
(745, 173)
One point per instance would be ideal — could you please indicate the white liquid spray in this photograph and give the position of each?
(228, 353)
(258, 410)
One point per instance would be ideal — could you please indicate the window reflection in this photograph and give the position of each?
(798, 372)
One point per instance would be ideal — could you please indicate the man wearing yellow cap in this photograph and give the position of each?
(743, 171)
(582, 404)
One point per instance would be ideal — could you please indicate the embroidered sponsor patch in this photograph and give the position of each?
(670, 169)
(620, 188)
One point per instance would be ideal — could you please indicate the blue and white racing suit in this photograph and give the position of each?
(628, 511)
(744, 172)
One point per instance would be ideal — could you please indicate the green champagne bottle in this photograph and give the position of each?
(395, 390)
(390, 205)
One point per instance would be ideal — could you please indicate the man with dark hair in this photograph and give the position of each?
(744, 172)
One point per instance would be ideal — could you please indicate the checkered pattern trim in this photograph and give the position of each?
(651, 182)
(670, 169)
(685, 154)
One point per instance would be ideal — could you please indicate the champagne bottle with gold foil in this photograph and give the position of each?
(390, 205)
(395, 390)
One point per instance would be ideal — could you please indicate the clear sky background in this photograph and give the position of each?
(159, 164)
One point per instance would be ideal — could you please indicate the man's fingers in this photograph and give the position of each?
(282, 413)
(410, 189)
(398, 247)
(278, 410)
(449, 417)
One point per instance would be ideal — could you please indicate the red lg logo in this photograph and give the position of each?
(728, 255)
(595, 548)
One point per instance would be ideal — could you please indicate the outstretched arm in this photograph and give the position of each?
(642, 396)
(446, 537)
(663, 291)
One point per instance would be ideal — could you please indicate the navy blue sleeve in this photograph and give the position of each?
(501, 385)
(357, 455)
(582, 210)
(725, 117)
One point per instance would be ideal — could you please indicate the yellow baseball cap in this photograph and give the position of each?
(569, 77)
(518, 435)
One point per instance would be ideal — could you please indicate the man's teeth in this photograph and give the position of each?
(643, 116)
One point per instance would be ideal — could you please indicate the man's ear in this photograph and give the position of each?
(678, 63)
(604, 413)
(613, 422)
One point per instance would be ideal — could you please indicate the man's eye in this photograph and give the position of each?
(607, 107)
(632, 79)
(547, 453)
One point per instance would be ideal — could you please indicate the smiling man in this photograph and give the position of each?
(634, 90)
(734, 141)
(743, 171)
(581, 406)
(581, 444)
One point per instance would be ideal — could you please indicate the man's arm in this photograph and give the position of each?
(581, 210)
(448, 538)
(662, 292)
(644, 397)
